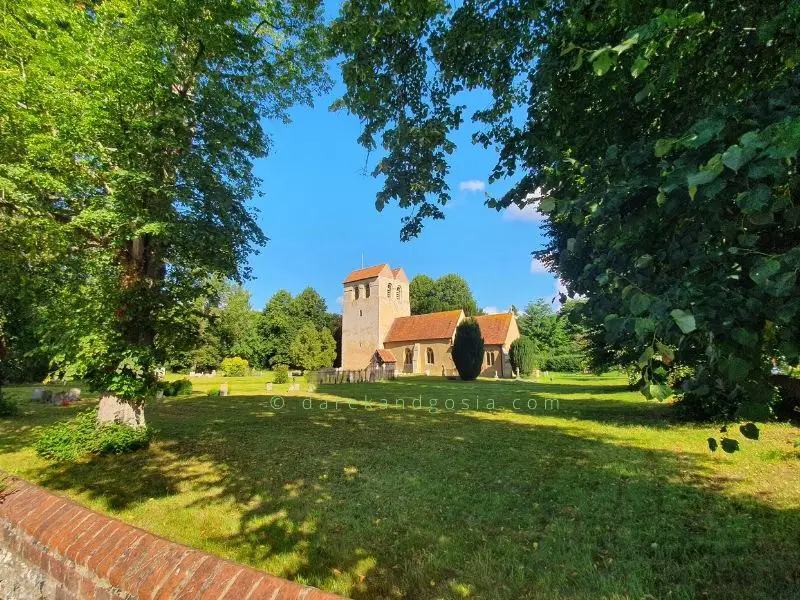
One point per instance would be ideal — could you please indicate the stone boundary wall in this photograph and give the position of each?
(53, 548)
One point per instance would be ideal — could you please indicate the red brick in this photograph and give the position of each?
(64, 523)
(46, 520)
(226, 576)
(131, 559)
(202, 579)
(32, 519)
(153, 570)
(272, 588)
(94, 542)
(68, 535)
(112, 548)
(84, 536)
(181, 576)
(86, 589)
(244, 584)
(55, 568)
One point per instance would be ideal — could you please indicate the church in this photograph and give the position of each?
(378, 329)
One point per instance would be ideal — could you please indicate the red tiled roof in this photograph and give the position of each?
(399, 274)
(494, 328)
(367, 273)
(433, 326)
(386, 356)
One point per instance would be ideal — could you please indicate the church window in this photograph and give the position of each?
(366, 291)
(389, 291)
(430, 356)
(409, 356)
(399, 293)
(490, 358)
(358, 291)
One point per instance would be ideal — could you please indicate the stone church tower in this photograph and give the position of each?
(373, 298)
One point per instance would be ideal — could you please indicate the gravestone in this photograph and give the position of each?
(159, 394)
(223, 389)
(60, 398)
(37, 395)
(74, 394)
(116, 410)
(269, 387)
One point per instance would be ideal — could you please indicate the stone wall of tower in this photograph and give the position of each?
(367, 317)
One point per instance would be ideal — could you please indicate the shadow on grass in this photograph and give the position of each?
(410, 504)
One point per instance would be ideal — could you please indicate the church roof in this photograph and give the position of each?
(367, 273)
(386, 356)
(433, 326)
(494, 328)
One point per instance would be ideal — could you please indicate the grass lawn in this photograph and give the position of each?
(597, 497)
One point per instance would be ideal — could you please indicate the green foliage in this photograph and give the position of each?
(281, 374)
(235, 366)
(523, 355)
(214, 392)
(8, 406)
(127, 147)
(312, 349)
(449, 292)
(468, 349)
(563, 363)
(662, 141)
(283, 318)
(79, 436)
(179, 387)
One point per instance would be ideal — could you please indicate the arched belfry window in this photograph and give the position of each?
(357, 291)
(399, 293)
(366, 290)
(389, 290)
(430, 356)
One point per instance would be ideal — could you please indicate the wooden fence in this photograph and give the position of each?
(368, 375)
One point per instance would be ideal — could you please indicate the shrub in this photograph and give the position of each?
(468, 349)
(564, 363)
(235, 366)
(281, 374)
(8, 407)
(213, 392)
(523, 355)
(678, 374)
(80, 435)
(179, 387)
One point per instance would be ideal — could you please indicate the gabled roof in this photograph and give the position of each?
(494, 328)
(386, 356)
(368, 273)
(433, 326)
(399, 274)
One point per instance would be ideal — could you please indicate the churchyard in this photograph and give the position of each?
(570, 487)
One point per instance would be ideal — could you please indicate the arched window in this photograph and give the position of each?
(389, 290)
(366, 290)
(430, 356)
(490, 359)
(409, 356)
(358, 291)
(399, 293)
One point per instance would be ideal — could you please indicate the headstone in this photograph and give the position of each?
(496, 376)
(537, 373)
(427, 372)
(74, 394)
(60, 398)
(47, 396)
(223, 389)
(37, 395)
(115, 410)
(269, 387)
(311, 387)
(214, 373)
(159, 394)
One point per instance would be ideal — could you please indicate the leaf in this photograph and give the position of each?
(643, 261)
(692, 191)
(700, 178)
(639, 303)
(642, 327)
(763, 270)
(578, 61)
(667, 354)
(571, 245)
(569, 48)
(730, 446)
(737, 369)
(663, 146)
(546, 205)
(646, 356)
(782, 285)
(754, 199)
(712, 444)
(639, 65)
(750, 431)
(734, 158)
(703, 132)
(627, 44)
(659, 391)
(602, 64)
(744, 337)
(684, 320)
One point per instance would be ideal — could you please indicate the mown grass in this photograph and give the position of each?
(601, 496)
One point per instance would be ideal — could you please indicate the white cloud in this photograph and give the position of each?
(473, 185)
(538, 267)
(340, 300)
(491, 310)
(528, 213)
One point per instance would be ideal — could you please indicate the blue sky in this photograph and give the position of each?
(318, 211)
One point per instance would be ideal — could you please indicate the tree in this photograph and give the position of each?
(523, 355)
(312, 348)
(449, 292)
(468, 349)
(277, 328)
(544, 328)
(129, 134)
(308, 305)
(661, 142)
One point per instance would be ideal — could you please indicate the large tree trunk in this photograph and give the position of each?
(116, 410)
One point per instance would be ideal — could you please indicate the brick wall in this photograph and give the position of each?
(51, 547)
